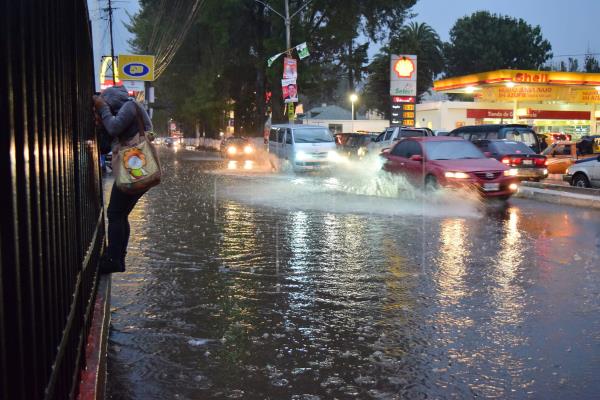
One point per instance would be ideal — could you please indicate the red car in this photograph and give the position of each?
(450, 162)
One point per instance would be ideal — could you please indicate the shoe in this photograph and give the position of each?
(108, 265)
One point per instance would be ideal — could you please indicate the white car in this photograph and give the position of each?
(584, 173)
(306, 147)
(391, 135)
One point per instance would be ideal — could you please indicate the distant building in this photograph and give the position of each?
(339, 119)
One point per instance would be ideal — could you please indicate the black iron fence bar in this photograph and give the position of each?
(52, 229)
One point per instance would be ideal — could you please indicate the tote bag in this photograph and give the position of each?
(137, 167)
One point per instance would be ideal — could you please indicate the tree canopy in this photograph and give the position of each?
(221, 64)
(485, 41)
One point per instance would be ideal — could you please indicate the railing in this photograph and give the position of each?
(51, 225)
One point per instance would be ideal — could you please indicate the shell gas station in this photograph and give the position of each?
(549, 101)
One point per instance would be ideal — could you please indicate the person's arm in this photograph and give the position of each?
(115, 125)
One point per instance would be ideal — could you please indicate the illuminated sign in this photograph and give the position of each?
(404, 68)
(403, 75)
(403, 110)
(136, 67)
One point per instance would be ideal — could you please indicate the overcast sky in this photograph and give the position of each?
(570, 26)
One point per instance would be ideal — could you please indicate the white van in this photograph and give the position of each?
(306, 147)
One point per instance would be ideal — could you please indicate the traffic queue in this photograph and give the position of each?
(490, 159)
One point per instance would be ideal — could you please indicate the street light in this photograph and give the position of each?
(353, 99)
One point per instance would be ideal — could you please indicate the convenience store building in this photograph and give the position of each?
(550, 101)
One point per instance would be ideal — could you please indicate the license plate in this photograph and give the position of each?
(527, 162)
(490, 187)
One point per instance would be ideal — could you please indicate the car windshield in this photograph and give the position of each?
(548, 150)
(452, 150)
(522, 135)
(312, 135)
(236, 141)
(511, 148)
(412, 133)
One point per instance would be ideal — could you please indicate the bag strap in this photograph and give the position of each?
(138, 115)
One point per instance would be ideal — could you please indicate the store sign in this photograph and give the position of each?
(134, 86)
(136, 67)
(530, 114)
(556, 114)
(521, 93)
(538, 93)
(403, 75)
(478, 113)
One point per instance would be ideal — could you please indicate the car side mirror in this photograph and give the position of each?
(416, 157)
(487, 154)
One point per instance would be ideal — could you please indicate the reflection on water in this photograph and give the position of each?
(229, 297)
(453, 253)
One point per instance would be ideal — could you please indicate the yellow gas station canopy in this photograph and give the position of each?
(523, 85)
(515, 76)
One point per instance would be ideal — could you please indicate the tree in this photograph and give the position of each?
(221, 65)
(485, 42)
(414, 38)
(590, 63)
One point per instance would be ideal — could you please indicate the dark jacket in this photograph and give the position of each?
(119, 114)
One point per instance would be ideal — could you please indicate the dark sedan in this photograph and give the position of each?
(517, 155)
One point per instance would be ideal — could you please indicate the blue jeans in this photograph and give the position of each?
(119, 207)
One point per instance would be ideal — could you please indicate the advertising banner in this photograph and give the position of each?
(289, 90)
(290, 68)
(403, 75)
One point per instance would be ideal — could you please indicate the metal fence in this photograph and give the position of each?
(51, 225)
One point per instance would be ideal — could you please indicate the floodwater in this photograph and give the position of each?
(242, 283)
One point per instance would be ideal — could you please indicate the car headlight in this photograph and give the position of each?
(456, 175)
(361, 152)
(511, 172)
(301, 156)
(232, 150)
(248, 149)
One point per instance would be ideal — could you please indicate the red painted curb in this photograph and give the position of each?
(93, 377)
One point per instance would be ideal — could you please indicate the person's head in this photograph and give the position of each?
(292, 91)
(115, 97)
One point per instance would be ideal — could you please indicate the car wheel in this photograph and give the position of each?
(581, 181)
(431, 183)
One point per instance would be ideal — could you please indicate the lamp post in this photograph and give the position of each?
(353, 99)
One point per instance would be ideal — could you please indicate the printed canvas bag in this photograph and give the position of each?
(137, 167)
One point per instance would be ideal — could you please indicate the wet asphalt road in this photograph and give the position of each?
(256, 285)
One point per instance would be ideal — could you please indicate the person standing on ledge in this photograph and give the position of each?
(118, 114)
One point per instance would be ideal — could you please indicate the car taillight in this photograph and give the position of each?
(506, 161)
(546, 162)
(540, 162)
(516, 161)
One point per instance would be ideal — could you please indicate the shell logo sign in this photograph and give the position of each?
(404, 68)
(403, 75)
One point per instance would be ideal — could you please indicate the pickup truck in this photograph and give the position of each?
(562, 154)
(584, 173)
(391, 135)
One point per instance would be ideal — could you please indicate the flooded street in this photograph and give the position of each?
(256, 285)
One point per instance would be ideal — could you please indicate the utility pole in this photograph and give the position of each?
(288, 27)
(112, 45)
(287, 19)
